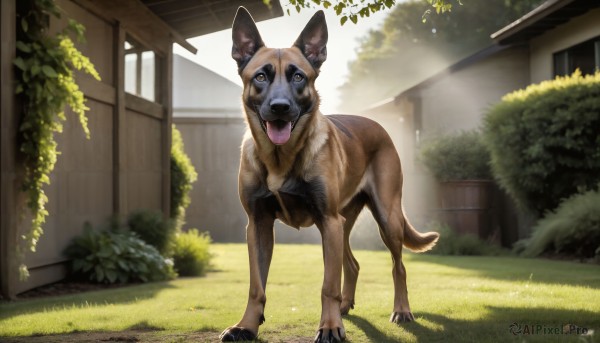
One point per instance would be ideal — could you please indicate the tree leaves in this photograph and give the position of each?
(352, 9)
(49, 71)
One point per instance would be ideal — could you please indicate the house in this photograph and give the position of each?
(554, 39)
(209, 116)
(125, 164)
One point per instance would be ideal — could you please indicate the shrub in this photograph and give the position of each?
(451, 243)
(461, 156)
(191, 254)
(183, 175)
(153, 228)
(573, 229)
(109, 256)
(544, 140)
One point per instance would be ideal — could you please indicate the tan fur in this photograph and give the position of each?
(343, 163)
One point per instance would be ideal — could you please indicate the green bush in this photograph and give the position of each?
(191, 254)
(109, 256)
(572, 229)
(153, 228)
(451, 243)
(461, 156)
(183, 175)
(544, 141)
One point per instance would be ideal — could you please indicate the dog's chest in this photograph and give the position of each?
(301, 203)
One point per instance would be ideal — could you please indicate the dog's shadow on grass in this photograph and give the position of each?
(372, 333)
(508, 324)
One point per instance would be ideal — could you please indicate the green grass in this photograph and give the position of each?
(453, 298)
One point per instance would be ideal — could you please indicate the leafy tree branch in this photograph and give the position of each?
(354, 9)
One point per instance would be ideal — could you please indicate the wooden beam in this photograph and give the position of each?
(96, 90)
(9, 211)
(144, 107)
(120, 126)
(166, 84)
(140, 22)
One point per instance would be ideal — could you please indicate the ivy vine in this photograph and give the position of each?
(45, 84)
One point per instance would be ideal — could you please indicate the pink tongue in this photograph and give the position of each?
(279, 131)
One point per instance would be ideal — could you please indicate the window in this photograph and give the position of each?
(140, 70)
(585, 56)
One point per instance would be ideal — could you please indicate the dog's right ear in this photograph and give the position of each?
(246, 39)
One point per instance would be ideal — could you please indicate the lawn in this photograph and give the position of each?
(455, 299)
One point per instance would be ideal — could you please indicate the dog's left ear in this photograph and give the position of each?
(313, 40)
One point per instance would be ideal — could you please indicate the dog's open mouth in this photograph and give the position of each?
(279, 131)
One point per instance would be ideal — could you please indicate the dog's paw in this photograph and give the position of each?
(235, 334)
(402, 317)
(333, 335)
(346, 307)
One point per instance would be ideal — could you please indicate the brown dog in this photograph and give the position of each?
(304, 168)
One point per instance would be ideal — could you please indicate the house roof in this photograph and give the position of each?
(545, 17)
(465, 62)
(200, 92)
(158, 22)
(191, 18)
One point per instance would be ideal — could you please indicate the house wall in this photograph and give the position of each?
(213, 146)
(459, 100)
(450, 103)
(81, 185)
(122, 167)
(454, 102)
(575, 31)
(418, 186)
(9, 171)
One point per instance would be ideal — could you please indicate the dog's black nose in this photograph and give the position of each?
(280, 106)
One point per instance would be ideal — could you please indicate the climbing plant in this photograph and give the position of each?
(45, 83)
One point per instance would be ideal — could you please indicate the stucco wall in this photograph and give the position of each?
(575, 31)
(459, 100)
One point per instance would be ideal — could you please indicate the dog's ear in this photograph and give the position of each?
(313, 40)
(246, 39)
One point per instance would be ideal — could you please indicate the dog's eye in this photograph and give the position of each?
(298, 77)
(261, 77)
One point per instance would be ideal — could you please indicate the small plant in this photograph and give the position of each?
(153, 228)
(451, 243)
(109, 256)
(461, 156)
(191, 253)
(183, 175)
(572, 229)
(544, 141)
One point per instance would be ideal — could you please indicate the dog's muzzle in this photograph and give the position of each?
(279, 120)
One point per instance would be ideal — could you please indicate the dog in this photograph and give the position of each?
(304, 168)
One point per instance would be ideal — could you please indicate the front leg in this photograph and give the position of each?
(331, 328)
(259, 234)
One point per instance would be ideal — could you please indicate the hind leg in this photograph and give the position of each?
(350, 266)
(386, 205)
(390, 228)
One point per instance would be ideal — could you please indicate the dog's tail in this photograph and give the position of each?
(417, 241)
